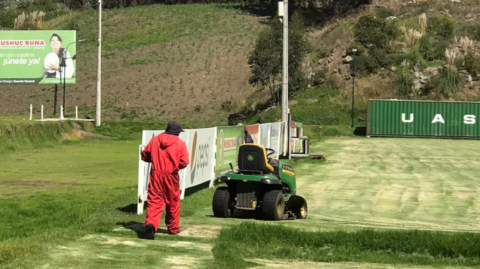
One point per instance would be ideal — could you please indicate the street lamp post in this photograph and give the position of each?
(353, 84)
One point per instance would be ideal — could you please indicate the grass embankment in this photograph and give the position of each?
(16, 134)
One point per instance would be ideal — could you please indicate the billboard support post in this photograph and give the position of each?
(55, 100)
(64, 84)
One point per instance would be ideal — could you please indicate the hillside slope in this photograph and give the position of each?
(158, 62)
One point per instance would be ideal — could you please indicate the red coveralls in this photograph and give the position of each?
(168, 154)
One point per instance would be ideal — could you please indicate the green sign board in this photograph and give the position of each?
(37, 57)
(229, 140)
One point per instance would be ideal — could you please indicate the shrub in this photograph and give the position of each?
(476, 32)
(404, 80)
(297, 83)
(449, 80)
(364, 65)
(472, 64)
(7, 18)
(441, 26)
(375, 33)
(397, 58)
(384, 13)
(360, 49)
(382, 58)
(431, 48)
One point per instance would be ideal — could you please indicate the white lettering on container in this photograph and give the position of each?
(469, 119)
(405, 120)
(438, 118)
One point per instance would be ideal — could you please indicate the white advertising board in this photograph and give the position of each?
(201, 150)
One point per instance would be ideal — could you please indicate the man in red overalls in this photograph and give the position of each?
(168, 154)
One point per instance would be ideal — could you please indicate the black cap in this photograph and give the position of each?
(174, 128)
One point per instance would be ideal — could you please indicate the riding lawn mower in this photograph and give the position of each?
(262, 184)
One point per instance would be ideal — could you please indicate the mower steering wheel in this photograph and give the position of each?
(269, 152)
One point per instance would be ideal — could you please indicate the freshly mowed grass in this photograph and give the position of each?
(393, 183)
(238, 244)
(73, 206)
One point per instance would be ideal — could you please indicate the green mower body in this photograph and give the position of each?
(266, 186)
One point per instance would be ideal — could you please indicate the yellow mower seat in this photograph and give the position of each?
(253, 158)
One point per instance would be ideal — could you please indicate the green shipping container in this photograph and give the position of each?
(423, 119)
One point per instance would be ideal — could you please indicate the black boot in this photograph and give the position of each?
(149, 232)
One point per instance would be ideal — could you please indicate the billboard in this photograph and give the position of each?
(229, 140)
(254, 131)
(37, 57)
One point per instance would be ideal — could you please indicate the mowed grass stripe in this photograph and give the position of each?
(254, 240)
(394, 183)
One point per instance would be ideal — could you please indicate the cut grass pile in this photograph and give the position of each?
(252, 240)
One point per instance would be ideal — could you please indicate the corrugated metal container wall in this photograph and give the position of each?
(423, 118)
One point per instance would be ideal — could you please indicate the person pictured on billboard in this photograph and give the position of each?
(59, 63)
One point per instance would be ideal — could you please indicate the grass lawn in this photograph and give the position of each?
(73, 206)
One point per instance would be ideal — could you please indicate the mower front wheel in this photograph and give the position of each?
(222, 203)
(302, 211)
(273, 205)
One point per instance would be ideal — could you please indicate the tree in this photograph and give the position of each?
(266, 59)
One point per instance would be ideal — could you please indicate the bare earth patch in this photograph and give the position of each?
(104, 251)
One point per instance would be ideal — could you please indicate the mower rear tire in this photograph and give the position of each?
(222, 204)
(273, 205)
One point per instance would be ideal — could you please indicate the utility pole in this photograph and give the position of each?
(285, 63)
(98, 114)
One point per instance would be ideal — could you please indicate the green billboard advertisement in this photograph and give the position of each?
(229, 140)
(37, 57)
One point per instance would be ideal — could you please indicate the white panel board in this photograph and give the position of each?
(201, 148)
(265, 135)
